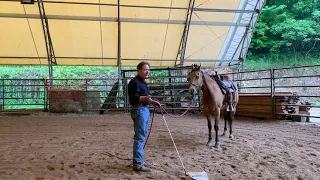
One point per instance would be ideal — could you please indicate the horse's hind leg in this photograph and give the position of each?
(231, 118)
(209, 119)
(225, 121)
(216, 128)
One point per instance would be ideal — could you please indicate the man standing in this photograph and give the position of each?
(140, 100)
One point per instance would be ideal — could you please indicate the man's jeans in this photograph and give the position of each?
(140, 117)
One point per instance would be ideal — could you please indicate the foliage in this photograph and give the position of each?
(59, 72)
(288, 26)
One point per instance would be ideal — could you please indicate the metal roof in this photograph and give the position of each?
(125, 32)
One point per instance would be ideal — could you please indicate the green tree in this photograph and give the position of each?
(297, 34)
(287, 27)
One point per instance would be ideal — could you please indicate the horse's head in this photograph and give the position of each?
(195, 79)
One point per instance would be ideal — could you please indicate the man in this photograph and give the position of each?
(140, 100)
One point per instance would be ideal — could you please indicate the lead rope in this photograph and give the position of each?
(154, 110)
(174, 116)
(173, 142)
(171, 115)
(161, 110)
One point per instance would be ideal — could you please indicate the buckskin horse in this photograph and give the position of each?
(216, 96)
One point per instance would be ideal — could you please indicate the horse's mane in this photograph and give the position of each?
(205, 78)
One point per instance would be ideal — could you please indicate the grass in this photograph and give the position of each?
(272, 61)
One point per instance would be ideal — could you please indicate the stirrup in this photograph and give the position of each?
(230, 108)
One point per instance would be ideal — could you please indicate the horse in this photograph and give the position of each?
(213, 101)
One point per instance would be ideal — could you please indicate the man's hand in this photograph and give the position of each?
(155, 103)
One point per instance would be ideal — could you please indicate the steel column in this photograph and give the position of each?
(184, 39)
(119, 42)
(48, 41)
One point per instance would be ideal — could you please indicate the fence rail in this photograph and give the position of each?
(172, 91)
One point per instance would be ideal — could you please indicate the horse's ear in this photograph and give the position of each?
(200, 66)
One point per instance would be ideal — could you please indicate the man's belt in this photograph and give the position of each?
(141, 104)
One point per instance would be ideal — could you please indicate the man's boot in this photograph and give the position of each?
(141, 168)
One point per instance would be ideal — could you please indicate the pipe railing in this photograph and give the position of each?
(171, 91)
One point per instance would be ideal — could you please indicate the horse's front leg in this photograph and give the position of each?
(209, 119)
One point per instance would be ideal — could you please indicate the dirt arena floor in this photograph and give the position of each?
(47, 146)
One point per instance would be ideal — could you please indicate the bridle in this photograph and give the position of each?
(192, 84)
(195, 85)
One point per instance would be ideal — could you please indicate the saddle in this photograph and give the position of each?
(228, 89)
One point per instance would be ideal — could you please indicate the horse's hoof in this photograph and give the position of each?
(209, 144)
(217, 146)
(231, 136)
(224, 134)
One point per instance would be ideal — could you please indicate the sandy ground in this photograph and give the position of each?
(100, 147)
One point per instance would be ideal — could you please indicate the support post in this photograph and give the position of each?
(119, 54)
(273, 97)
(3, 95)
(45, 94)
(47, 37)
(240, 71)
(119, 42)
(184, 39)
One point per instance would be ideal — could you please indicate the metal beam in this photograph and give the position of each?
(61, 57)
(148, 7)
(47, 37)
(122, 59)
(223, 10)
(206, 60)
(183, 43)
(240, 45)
(128, 20)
